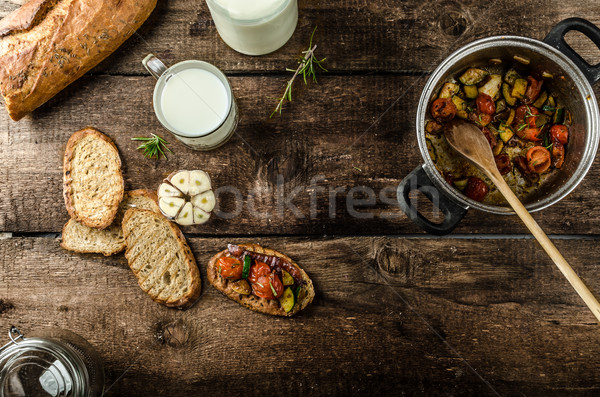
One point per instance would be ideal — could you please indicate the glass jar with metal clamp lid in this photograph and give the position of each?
(49, 363)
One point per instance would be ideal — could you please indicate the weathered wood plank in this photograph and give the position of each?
(354, 35)
(346, 133)
(391, 315)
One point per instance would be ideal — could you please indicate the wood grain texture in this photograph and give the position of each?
(391, 315)
(353, 132)
(354, 35)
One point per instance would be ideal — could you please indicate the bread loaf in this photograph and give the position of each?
(83, 239)
(92, 181)
(160, 259)
(47, 44)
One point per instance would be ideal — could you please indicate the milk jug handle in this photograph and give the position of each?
(154, 66)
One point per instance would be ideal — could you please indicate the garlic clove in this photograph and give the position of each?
(170, 206)
(199, 182)
(200, 216)
(186, 215)
(205, 201)
(181, 180)
(168, 190)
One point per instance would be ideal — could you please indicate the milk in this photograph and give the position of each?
(194, 102)
(254, 27)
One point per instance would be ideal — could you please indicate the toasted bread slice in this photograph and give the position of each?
(252, 301)
(160, 258)
(93, 184)
(83, 239)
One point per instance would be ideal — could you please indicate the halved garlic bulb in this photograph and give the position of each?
(186, 197)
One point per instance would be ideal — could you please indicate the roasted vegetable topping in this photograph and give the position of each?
(522, 119)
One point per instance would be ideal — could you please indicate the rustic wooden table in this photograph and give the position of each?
(482, 311)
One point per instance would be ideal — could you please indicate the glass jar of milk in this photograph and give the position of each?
(194, 101)
(254, 27)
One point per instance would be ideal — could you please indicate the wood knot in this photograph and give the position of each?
(453, 21)
(202, 23)
(403, 265)
(5, 306)
(175, 334)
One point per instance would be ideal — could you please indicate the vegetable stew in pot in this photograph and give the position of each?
(523, 119)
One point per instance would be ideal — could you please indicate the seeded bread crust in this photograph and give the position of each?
(47, 44)
(156, 250)
(251, 301)
(79, 238)
(96, 218)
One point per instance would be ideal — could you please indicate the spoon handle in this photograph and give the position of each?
(547, 245)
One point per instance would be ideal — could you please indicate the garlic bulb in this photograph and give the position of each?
(186, 197)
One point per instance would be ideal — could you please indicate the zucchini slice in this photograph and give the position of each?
(287, 279)
(519, 88)
(511, 100)
(505, 132)
(461, 106)
(472, 76)
(541, 100)
(471, 91)
(287, 300)
(511, 76)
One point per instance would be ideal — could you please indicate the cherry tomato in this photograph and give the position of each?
(558, 154)
(230, 268)
(530, 134)
(266, 285)
(533, 90)
(485, 104)
(559, 133)
(503, 163)
(521, 164)
(476, 189)
(258, 270)
(443, 110)
(538, 159)
(525, 114)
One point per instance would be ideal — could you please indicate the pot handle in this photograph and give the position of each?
(556, 39)
(419, 180)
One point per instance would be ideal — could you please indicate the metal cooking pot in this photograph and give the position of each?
(552, 55)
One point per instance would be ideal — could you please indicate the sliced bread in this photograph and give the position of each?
(160, 259)
(83, 239)
(93, 185)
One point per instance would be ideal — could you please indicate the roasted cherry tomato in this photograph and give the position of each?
(525, 114)
(258, 270)
(558, 154)
(559, 133)
(268, 287)
(503, 163)
(443, 109)
(476, 189)
(230, 268)
(534, 87)
(530, 134)
(538, 159)
(485, 104)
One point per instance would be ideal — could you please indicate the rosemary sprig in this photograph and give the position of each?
(306, 68)
(153, 146)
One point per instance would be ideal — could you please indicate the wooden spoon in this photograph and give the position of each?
(469, 141)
